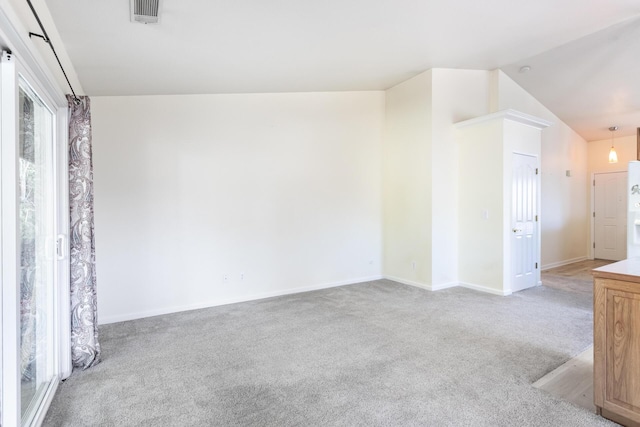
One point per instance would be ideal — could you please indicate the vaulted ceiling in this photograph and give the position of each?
(583, 54)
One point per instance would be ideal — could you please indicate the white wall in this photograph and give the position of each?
(284, 188)
(565, 205)
(407, 182)
(298, 191)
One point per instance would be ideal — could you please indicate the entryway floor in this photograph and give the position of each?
(572, 381)
(574, 277)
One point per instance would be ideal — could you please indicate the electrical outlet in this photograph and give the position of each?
(241, 276)
(413, 265)
(225, 278)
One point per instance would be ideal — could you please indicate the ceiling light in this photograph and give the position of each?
(613, 156)
(525, 69)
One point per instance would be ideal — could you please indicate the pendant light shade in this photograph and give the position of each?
(613, 156)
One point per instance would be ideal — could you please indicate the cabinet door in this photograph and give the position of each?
(622, 365)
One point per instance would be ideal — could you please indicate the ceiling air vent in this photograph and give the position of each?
(145, 11)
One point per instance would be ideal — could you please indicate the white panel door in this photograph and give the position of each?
(610, 216)
(524, 223)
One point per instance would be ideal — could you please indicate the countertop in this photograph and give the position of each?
(627, 270)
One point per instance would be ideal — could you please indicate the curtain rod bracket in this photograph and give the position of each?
(40, 36)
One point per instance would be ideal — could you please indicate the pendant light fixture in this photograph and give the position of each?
(613, 156)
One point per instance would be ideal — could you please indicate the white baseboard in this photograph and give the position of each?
(440, 286)
(408, 282)
(104, 320)
(449, 285)
(561, 263)
(486, 289)
(422, 285)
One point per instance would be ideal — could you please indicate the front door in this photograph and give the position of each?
(524, 223)
(610, 216)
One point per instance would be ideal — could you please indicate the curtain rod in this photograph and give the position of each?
(44, 36)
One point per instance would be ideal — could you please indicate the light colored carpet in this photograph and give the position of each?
(372, 354)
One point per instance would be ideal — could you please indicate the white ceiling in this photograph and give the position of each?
(591, 83)
(584, 58)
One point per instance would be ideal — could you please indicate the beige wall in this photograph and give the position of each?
(481, 202)
(626, 148)
(407, 175)
(457, 95)
(421, 172)
(420, 176)
(279, 192)
(487, 147)
(564, 207)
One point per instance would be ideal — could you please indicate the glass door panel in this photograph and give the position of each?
(37, 260)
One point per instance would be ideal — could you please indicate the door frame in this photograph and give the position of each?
(592, 227)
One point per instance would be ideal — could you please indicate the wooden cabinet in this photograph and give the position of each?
(616, 295)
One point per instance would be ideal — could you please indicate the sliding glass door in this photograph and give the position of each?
(36, 225)
(33, 229)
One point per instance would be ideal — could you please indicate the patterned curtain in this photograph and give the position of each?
(28, 250)
(85, 348)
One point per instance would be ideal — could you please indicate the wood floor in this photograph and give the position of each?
(574, 277)
(572, 381)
